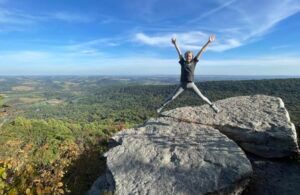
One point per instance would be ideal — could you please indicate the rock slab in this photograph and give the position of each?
(169, 157)
(260, 124)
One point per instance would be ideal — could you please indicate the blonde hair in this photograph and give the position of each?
(187, 52)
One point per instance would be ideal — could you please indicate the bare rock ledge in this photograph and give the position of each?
(192, 150)
(169, 157)
(259, 124)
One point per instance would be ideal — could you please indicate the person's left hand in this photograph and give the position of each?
(212, 38)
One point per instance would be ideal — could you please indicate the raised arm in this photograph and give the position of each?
(176, 46)
(211, 39)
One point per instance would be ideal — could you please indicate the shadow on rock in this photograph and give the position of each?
(86, 169)
(274, 176)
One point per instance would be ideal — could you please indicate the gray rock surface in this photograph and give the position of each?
(259, 124)
(169, 157)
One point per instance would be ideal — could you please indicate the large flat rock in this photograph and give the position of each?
(259, 124)
(169, 157)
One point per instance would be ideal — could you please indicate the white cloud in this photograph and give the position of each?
(15, 18)
(259, 19)
(40, 62)
(155, 40)
(189, 40)
(185, 39)
(235, 23)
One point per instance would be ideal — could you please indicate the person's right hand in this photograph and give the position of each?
(173, 40)
(212, 38)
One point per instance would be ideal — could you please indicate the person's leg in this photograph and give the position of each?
(198, 92)
(175, 94)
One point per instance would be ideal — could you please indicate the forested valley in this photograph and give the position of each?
(54, 130)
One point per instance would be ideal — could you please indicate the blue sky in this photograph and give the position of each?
(124, 37)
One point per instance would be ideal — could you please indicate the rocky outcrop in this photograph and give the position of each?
(169, 157)
(259, 124)
(192, 150)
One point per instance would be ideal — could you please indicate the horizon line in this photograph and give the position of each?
(118, 75)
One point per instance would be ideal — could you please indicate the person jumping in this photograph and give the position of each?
(187, 75)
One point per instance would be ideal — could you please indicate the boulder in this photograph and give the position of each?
(169, 157)
(260, 124)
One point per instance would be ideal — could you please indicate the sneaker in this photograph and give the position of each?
(214, 107)
(159, 110)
